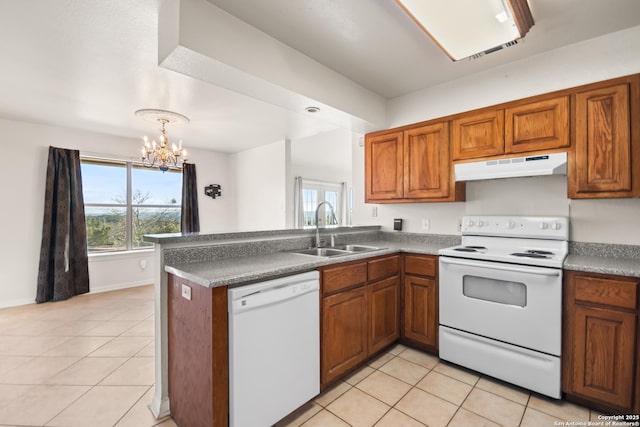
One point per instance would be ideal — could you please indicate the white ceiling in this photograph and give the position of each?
(89, 64)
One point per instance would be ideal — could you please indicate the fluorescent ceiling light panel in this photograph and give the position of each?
(463, 28)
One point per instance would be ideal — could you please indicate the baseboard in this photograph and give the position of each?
(119, 286)
(26, 301)
(17, 302)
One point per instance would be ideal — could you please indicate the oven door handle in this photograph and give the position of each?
(541, 271)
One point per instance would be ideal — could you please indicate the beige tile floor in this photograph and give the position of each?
(88, 361)
(405, 387)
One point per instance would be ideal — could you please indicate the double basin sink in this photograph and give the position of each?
(340, 250)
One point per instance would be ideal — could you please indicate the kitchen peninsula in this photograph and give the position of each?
(210, 264)
(216, 261)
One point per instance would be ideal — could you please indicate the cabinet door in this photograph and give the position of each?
(383, 167)
(426, 162)
(603, 144)
(344, 332)
(383, 313)
(537, 126)
(478, 135)
(420, 317)
(603, 359)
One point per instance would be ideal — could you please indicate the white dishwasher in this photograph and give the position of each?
(274, 348)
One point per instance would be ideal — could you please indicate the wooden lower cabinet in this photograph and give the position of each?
(420, 301)
(383, 299)
(344, 332)
(420, 305)
(600, 361)
(359, 315)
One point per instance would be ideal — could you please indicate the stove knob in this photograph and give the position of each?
(544, 225)
(480, 223)
(511, 224)
(556, 226)
(470, 223)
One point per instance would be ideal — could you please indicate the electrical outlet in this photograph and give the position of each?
(374, 211)
(426, 224)
(186, 292)
(459, 225)
(143, 264)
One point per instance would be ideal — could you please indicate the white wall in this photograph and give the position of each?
(605, 220)
(260, 187)
(23, 180)
(323, 157)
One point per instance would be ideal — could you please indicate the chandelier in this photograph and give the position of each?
(161, 154)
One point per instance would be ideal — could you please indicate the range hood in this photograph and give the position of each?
(540, 164)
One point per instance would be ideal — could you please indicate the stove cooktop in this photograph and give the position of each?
(537, 241)
(548, 257)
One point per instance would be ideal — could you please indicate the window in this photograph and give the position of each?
(124, 201)
(315, 192)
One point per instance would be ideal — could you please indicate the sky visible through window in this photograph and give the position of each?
(108, 184)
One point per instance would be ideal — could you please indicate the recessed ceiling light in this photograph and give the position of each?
(312, 109)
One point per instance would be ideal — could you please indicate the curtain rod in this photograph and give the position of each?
(316, 181)
(100, 156)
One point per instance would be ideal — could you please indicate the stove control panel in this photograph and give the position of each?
(556, 228)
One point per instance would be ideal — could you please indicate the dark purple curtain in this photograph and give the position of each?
(64, 266)
(190, 218)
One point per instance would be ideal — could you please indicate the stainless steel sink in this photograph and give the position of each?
(322, 252)
(357, 248)
(336, 251)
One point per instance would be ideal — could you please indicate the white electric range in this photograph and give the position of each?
(501, 299)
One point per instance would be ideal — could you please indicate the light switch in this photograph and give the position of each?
(186, 292)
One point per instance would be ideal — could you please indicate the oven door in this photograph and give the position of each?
(513, 303)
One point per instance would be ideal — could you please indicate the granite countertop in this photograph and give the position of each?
(236, 270)
(605, 265)
(606, 259)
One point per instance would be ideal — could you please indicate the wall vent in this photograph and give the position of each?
(494, 49)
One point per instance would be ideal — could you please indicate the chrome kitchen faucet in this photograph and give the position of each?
(333, 214)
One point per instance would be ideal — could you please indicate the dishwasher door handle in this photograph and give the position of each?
(273, 295)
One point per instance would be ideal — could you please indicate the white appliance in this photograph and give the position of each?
(539, 164)
(274, 348)
(501, 299)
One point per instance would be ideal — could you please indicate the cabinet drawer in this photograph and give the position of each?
(383, 267)
(611, 292)
(344, 276)
(421, 265)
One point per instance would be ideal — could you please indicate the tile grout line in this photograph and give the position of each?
(131, 407)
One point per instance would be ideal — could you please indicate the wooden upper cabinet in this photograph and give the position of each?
(412, 165)
(383, 166)
(478, 135)
(426, 161)
(537, 125)
(604, 157)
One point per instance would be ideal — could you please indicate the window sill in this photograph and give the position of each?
(110, 256)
